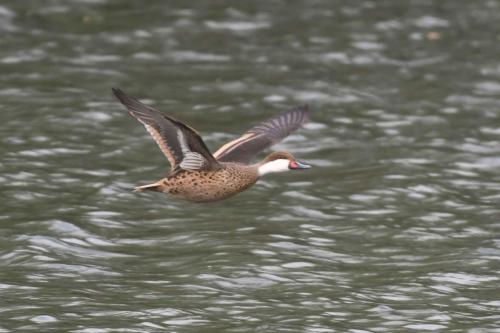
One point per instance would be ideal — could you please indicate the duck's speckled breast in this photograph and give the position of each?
(204, 186)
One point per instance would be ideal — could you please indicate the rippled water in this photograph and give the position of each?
(395, 229)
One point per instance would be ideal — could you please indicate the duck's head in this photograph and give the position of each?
(280, 162)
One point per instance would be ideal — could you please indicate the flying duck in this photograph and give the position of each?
(200, 176)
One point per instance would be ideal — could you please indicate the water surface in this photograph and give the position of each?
(395, 229)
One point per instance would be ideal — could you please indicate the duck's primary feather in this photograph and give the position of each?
(262, 136)
(181, 144)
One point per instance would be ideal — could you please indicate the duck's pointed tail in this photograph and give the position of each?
(149, 187)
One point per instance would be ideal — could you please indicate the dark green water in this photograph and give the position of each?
(395, 229)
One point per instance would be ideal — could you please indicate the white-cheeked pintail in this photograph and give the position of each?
(200, 176)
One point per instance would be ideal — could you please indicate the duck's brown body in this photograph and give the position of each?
(200, 176)
(206, 186)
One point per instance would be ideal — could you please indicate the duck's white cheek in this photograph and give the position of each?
(280, 165)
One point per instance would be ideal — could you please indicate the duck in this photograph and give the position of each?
(195, 173)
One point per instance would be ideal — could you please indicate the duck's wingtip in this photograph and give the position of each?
(123, 97)
(304, 108)
(117, 91)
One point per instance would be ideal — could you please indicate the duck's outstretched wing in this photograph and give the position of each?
(262, 136)
(182, 146)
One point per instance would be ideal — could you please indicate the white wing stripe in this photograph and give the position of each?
(182, 142)
(191, 160)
